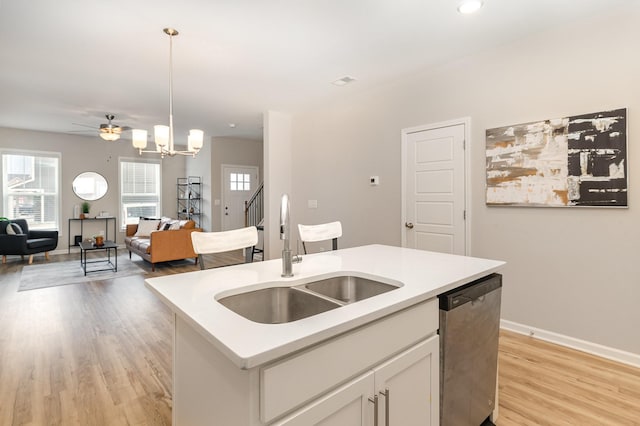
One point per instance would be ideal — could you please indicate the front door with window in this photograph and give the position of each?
(239, 183)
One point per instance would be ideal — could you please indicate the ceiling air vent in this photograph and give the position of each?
(344, 80)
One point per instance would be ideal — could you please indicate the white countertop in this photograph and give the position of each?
(422, 275)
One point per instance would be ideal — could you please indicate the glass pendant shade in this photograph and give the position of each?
(195, 139)
(139, 138)
(161, 135)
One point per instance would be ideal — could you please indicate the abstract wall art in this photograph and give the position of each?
(561, 162)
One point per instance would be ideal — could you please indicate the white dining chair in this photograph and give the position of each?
(322, 232)
(219, 242)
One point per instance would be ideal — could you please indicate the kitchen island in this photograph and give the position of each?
(338, 366)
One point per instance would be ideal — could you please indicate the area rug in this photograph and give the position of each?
(70, 272)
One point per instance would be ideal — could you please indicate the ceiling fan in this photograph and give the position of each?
(107, 131)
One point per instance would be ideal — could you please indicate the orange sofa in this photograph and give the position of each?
(162, 245)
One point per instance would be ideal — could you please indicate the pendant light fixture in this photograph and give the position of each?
(163, 135)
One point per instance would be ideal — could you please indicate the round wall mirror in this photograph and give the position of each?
(90, 186)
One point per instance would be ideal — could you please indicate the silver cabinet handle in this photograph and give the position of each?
(409, 225)
(385, 393)
(375, 409)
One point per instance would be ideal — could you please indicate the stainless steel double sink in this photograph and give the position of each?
(276, 305)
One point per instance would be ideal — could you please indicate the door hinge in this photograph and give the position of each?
(464, 144)
(464, 215)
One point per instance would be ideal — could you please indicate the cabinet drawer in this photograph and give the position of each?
(295, 380)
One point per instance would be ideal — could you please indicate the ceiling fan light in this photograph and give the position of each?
(110, 136)
(139, 138)
(195, 140)
(161, 135)
(470, 6)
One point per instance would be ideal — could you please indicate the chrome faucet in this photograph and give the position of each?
(285, 228)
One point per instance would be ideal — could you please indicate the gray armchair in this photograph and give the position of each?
(27, 243)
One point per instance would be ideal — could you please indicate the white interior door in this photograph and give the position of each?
(434, 189)
(239, 183)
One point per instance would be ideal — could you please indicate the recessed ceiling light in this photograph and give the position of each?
(470, 6)
(344, 80)
(232, 125)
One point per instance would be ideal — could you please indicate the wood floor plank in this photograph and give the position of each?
(100, 353)
(545, 384)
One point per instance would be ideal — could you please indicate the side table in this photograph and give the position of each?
(106, 220)
(107, 246)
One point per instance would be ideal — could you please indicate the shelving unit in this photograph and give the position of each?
(189, 199)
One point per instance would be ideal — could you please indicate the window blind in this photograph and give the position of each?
(139, 190)
(30, 183)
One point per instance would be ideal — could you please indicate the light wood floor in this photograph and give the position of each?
(100, 354)
(545, 384)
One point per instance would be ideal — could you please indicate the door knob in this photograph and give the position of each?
(408, 225)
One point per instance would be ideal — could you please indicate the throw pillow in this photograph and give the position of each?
(145, 227)
(163, 223)
(174, 224)
(14, 229)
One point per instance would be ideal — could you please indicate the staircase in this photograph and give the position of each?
(254, 214)
(254, 208)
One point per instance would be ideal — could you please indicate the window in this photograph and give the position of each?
(31, 188)
(139, 190)
(240, 182)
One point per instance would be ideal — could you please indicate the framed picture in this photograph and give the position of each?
(562, 162)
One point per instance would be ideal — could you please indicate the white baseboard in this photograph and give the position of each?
(573, 343)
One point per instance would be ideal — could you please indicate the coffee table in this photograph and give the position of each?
(107, 246)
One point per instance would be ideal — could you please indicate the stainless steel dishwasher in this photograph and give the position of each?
(469, 327)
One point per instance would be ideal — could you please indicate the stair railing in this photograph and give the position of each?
(254, 208)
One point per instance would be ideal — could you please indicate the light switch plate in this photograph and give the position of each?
(374, 180)
(312, 204)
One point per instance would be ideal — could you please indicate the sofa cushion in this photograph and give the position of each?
(14, 229)
(39, 242)
(145, 227)
(140, 244)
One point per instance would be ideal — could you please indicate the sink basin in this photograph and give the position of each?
(275, 305)
(349, 289)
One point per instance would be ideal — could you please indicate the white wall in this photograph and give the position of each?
(90, 153)
(277, 177)
(200, 166)
(571, 271)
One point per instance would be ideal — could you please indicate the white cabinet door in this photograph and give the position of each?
(346, 406)
(408, 386)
